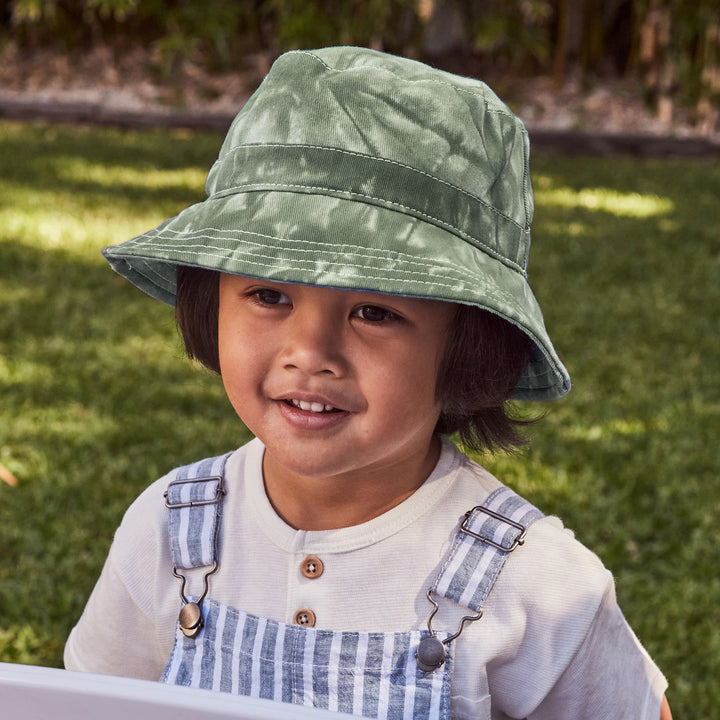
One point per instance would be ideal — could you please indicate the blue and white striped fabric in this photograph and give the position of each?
(372, 675)
(193, 528)
(472, 566)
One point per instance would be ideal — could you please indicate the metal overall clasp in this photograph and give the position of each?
(190, 618)
(431, 653)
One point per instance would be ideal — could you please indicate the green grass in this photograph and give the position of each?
(96, 400)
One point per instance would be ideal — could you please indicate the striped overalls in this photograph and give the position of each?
(371, 674)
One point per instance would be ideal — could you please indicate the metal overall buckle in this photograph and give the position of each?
(219, 492)
(519, 540)
(431, 653)
(190, 618)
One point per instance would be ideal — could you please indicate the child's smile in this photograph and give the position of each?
(313, 413)
(340, 386)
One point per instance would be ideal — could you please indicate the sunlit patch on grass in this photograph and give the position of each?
(74, 231)
(76, 170)
(61, 222)
(633, 205)
(70, 422)
(83, 190)
(569, 229)
(613, 428)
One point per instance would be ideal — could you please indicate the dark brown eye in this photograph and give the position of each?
(271, 297)
(372, 313)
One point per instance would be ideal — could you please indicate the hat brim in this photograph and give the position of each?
(340, 243)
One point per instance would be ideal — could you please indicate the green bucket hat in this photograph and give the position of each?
(350, 168)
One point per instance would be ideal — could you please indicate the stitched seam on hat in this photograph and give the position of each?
(414, 275)
(151, 274)
(385, 203)
(187, 249)
(363, 276)
(352, 153)
(389, 254)
(317, 248)
(481, 96)
(526, 175)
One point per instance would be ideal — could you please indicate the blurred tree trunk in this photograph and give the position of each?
(445, 27)
(592, 32)
(709, 102)
(656, 60)
(561, 44)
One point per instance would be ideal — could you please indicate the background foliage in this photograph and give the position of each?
(96, 400)
(671, 47)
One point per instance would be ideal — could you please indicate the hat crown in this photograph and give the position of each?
(390, 131)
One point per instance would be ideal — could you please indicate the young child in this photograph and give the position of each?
(357, 275)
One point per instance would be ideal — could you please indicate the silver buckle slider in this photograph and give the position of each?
(519, 540)
(219, 492)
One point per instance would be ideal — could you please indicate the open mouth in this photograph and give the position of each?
(313, 407)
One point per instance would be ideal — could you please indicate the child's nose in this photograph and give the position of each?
(313, 343)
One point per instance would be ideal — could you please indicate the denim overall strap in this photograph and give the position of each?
(485, 539)
(194, 500)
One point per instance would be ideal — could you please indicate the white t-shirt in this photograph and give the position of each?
(552, 643)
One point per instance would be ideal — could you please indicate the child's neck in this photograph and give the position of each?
(326, 503)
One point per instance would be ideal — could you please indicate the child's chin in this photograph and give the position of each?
(311, 465)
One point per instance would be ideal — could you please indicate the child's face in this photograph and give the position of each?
(335, 383)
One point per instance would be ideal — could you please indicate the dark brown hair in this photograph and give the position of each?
(197, 306)
(484, 358)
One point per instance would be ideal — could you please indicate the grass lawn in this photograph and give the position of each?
(96, 400)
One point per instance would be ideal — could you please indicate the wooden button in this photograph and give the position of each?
(305, 617)
(312, 567)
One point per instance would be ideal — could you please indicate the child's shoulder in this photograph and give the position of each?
(146, 520)
(551, 555)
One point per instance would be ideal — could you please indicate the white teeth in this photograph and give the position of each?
(315, 407)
